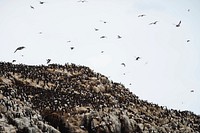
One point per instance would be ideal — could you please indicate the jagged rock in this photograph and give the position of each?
(74, 99)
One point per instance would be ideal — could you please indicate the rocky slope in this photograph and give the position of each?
(74, 99)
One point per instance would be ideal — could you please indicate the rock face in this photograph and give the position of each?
(74, 99)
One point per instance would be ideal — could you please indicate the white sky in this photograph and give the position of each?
(169, 67)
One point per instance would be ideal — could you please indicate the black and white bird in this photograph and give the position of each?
(48, 61)
(19, 48)
(179, 24)
(153, 22)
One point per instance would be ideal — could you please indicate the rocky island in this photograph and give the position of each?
(74, 99)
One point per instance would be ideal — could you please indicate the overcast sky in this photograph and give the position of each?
(168, 68)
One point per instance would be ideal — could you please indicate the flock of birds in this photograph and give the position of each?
(137, 58)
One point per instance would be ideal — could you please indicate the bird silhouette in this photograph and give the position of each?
(48, 61)
(192, 91)
(71, 48)
(119, 37)
(137, 58)
(142, 15)
(188, 40)
(123, 64)
(13, 60)
(103, 37)
(32, 7)
(153, 23)
(178, 25)
(96, 29)
(19, 48)
(42, 2)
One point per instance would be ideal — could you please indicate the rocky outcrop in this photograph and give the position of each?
(74, 99)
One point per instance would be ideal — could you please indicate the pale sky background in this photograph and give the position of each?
(169, 67)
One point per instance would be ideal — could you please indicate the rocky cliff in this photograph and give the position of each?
(74, 99)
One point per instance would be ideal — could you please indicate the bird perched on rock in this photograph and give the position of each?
(48, 61)
(153, 23)
(19, 48)
(178, 25)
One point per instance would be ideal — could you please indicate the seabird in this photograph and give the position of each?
(96, 29)
(42, 2)
(103, 37)
(32, 7)
(153, 23)
(71, 48)
(123, 64)
(188, 40)
(13, 60)
(119, 37)
(48, 61)
(19, 48)
(142, 15)
(102, 51)
(137, 58)
(192, 91)
(178, 25)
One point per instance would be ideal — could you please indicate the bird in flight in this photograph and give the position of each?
(178, 25)
(123, 64)
(119, 37)
(137, 58)
(71, 48)
(48, 61)
(13, 61)
(188, 40)
(19, 48)
(142, 15)
(192, 91)
(103, 37)
(42, 2)
(96, 29)
(32, 7)
(153, 22)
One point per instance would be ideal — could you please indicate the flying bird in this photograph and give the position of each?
(137, 58)
(188, 40)
(13, 61)
(188, 10)
(103, 21)
(102, 51)
(119, 37)
(48, 61)
(192, 91)
(153, 22)
(96, 29)
(178, 25)
(42, 2)
(71, 48)
(142, 15)
(123, 64)
(103, 37)
(32, 7)
(19, 48)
